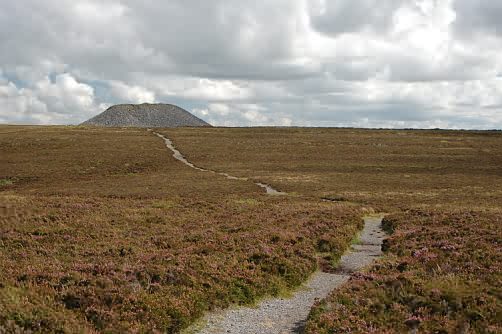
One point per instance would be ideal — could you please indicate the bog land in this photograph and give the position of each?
(102, 230)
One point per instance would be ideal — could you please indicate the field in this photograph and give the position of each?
(103, 231)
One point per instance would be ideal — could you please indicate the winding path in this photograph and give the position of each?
(288, 315)
(177, 155)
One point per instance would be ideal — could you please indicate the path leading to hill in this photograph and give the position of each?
(177, 155)
(289, 315)
(281, 315)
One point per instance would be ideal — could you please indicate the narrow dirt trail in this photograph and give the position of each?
(177, 155)
(288, 315)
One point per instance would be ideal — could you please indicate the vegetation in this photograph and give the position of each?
(104, 231)
(442, 191)
(101, 230)
(441, 275)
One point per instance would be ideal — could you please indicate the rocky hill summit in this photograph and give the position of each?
(146, 116)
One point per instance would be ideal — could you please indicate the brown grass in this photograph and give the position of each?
(443, 193)
(102, 230)
(382, 168)
(441, 275)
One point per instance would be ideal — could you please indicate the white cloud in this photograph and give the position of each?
(242, 114)
(216, 90)
(46, 101)
(20, 105)
(275, 62)
(197, 88)
(219, 109)
(65, 93)
(131, 94)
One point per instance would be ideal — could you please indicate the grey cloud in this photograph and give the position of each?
(478, 17)
(347, 16)
(214, 39)
(459, 67)
(270, 62)
(225, 39)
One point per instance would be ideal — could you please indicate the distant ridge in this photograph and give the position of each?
(146, 115)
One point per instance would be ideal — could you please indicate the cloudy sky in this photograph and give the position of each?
(365, 63)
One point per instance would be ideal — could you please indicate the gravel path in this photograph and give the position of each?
(177, 155)
(288, 315)
(280, 315)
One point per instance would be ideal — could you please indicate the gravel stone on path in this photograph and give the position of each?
(288, 315)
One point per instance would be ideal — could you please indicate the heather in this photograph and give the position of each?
(103, 231)
(441, 191)
(442, 274)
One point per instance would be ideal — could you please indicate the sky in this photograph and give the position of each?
(357, 63)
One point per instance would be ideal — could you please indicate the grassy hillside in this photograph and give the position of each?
(442, 191)
(382, 168)
(103, 230)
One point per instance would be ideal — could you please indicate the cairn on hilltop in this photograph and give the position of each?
(146, 116)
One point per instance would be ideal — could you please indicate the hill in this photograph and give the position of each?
(146, 116)
(103, 231)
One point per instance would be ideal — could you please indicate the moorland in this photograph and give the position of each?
(103, 231)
